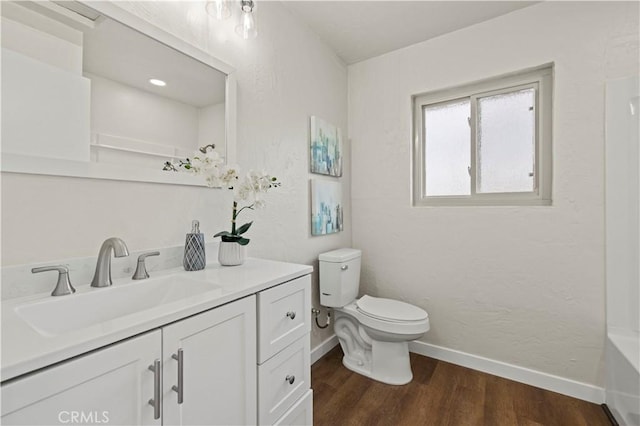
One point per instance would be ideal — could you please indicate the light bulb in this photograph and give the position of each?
(219, 9)
(157, 82)
(247, 27)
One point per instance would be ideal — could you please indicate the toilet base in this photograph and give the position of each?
(389, 363)
(386, 362)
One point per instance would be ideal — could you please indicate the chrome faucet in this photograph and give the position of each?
(102, 276)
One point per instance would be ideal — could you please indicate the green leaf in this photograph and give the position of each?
(231, 238)
(243, 241)
(223, 234)
(244, 228)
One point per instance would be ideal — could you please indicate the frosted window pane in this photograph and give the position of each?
(447, 149)
(506, 144)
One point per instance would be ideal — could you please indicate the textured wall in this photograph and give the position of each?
(522, 285)
(284, 76)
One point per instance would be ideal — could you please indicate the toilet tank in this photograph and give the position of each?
(339, 277)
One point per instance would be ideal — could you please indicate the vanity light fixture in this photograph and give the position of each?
(157, 82)
(219, 9)
(247, 27)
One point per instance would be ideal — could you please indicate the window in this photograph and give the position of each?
(486, 143)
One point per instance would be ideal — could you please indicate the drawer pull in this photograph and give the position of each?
(344, 267)
(290, 379)
(291, 314)
(155, 402)
(180, 388)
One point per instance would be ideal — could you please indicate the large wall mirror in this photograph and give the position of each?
(90, 90)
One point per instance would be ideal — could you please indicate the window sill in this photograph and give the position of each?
(481, 202)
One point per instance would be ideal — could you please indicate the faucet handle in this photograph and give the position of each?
(63, 286)
(141, 269)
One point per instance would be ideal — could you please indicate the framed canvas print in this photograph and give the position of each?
(325, 148)
(326, 207)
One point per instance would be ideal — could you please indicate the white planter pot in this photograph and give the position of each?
(231, 254)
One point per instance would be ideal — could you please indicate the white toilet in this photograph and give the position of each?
(374, 333)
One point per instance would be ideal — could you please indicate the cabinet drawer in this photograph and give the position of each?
(282, 380)
(284, 315)
(300, 414)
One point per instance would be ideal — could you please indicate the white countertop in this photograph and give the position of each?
(25, 350)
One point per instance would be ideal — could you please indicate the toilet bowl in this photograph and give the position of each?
(374, 333)
(378, 347)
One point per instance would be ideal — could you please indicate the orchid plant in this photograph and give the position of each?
(248, 190)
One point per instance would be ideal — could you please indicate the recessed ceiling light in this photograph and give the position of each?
(157, 82)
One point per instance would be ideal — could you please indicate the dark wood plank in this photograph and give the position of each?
(440, 394)
(499, 406)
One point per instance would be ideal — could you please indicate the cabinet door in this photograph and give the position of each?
(218, 351)
(109, 386)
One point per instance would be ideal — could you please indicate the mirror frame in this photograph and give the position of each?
(14, 163)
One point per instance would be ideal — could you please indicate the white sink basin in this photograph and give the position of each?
(57, 315)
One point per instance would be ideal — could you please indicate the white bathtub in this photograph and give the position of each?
(622, 213)
(623, 376)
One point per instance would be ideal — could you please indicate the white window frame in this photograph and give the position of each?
(541, 80)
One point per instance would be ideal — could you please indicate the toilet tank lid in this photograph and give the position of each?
(340, 255)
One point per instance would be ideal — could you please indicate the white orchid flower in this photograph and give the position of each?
(210, 165)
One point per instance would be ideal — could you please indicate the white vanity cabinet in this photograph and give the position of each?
(215, 377)
(284, 371)
(209, 367)
(244, 361)
(110, 386)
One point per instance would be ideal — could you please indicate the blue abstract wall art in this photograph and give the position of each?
(326, 148)
(326, 207)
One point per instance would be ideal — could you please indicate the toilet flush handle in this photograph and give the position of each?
(344, 267)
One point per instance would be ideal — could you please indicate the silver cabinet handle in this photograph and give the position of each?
(291, 378)
(180, 388)
(344, 267)
(291, 314)
(157, 375)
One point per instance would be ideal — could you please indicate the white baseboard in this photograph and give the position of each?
(535, 378)
(323, 348)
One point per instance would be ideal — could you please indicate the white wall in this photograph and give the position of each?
(623, 205)
(211, 126)
(284, 76)
(42, 38)
(45, 109)
(522, 285)
(121, 110)
(44, 93)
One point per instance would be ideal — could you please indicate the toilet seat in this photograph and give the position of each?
(389, 309)
(407, 328)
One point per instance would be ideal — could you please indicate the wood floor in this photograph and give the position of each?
(440, 394)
